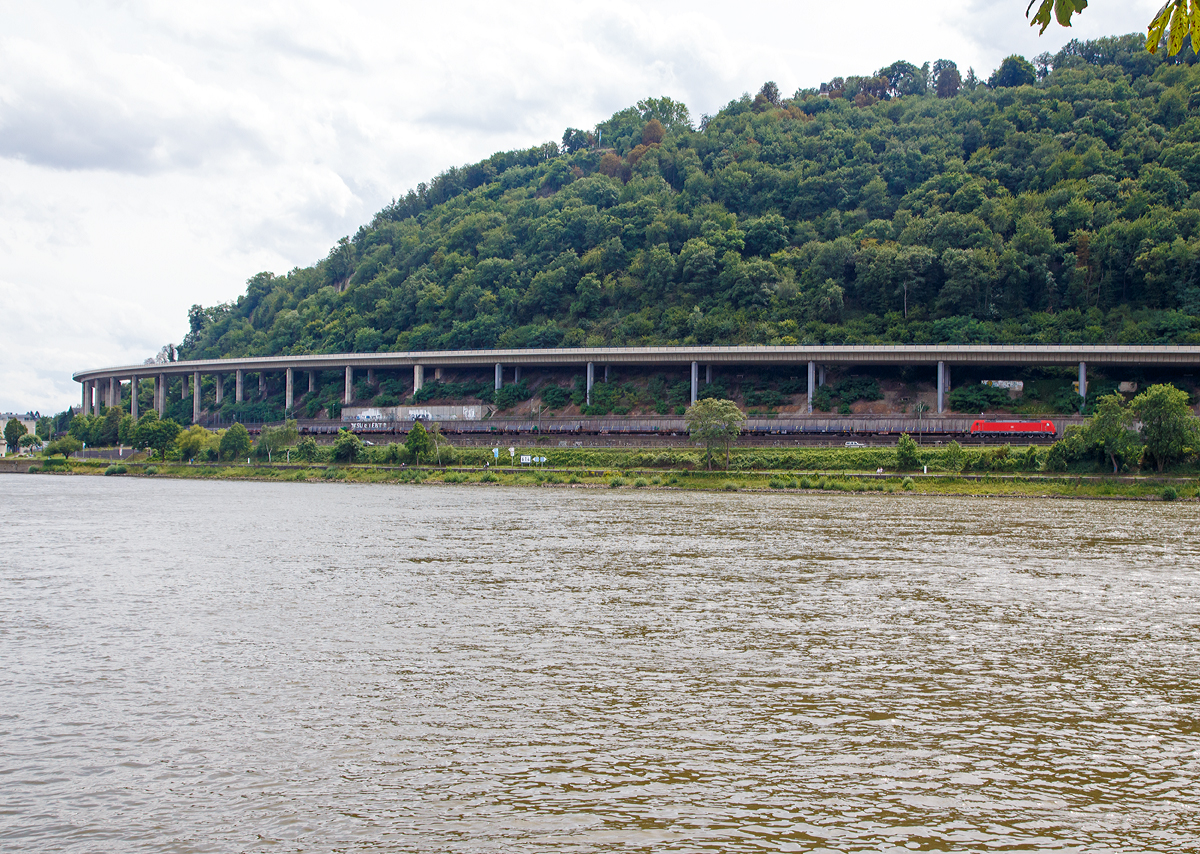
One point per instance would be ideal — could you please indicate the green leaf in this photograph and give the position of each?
(1179, 28)
(1154, 32)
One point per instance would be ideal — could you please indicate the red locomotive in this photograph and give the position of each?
(1013, 428)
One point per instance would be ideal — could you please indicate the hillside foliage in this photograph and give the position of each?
(1058, 202)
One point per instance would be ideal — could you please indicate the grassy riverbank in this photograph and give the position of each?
(1061, 486)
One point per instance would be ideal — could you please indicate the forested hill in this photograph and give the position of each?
(1052, 204)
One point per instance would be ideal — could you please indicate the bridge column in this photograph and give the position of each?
(371, 377)
(695, 380)
(312, 381)
(516, 373)
(114, 391)
(287, 398)
(219, 392)
(591, 378)
(239, 385)
(812, 381)
(97, 393)
(606, 373)
(196, 397)
(708, 374)
(134, 388)
(418, 377)
(941, 381)
(820, 375)
(1083, 380)
(160, 397)
(262, 383)
(437, 374)
(499, 376)
(349, 396)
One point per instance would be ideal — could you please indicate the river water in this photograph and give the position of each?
(189, 666)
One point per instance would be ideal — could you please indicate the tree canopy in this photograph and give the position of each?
(910, 204)
(716, 423)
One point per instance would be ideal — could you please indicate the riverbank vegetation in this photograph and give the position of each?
(631, 478)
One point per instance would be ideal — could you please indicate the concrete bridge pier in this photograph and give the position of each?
(160, 395)
(941, 384)
(287, 405)
(812, 381)
(196, 397)
(820, 375)
(418, 377)
(371, 377)
(262, 384)
(312, 381)
(349, 395)
(134, 388)
(591, 378)
(499, 376)
(516, 373)
(695, 381)
(606, 373)
(1083, 380)
(219, 391)
(114, 392)
(708, 374)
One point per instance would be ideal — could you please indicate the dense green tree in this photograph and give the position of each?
(235, 443)
(1111, 430)
(13, 431)
(1169, 428)
(418, 442)
(67, 445)
(193, 441)
(908, 455)
(158, 434)
(347, 447)
(716, 423)
(273, 441)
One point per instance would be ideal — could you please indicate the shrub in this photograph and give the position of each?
(573, 479)
(907, 483)
(639, 483)
(792, 484)
(616, 482)
(1169, 494)
(34, 469)
(775, 483)
(805, 483)
(331, 473)
(730, 486)
(907, 455)
(110, 470)
(488, 477)
(151, 470)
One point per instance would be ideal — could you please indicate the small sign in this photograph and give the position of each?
(526, 459)
(496, 453)
(511, 452)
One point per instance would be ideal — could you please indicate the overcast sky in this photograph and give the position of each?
(156, 155)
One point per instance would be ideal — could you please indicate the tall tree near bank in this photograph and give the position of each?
(716, 423)
(235, 442)
(1169, 428)
(418, 442)
(1111, 429)
(13, 431)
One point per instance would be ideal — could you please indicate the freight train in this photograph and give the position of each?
(780, 426)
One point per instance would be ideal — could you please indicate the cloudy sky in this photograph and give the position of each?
(154, 155)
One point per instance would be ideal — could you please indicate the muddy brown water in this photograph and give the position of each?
(189, 666)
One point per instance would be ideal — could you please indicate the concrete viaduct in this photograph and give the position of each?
(104, 384)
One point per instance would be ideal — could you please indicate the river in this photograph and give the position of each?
(192, 666)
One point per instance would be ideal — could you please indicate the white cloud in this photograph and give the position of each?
(157, 155)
